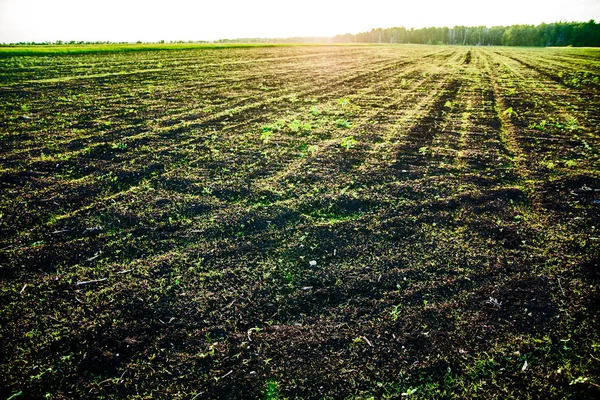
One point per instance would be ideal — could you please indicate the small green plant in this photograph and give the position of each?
(577, 380)
(274, 127)
(272, 391)
(314, 111)
(312, 149)
(423, 150)
(297, 126)
(265, 136)
(572, 124)
(16, 395)
(294, 126)
(348, 142)
(540, 126)
(571, 163)
(395, 312)
(344, 101)
(119, 146)
(586, 145)
(510, 112)
(342, 123)
(549, 164)
(449, 104)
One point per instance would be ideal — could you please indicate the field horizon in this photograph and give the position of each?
(556, 34)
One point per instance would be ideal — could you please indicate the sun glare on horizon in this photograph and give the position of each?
(111, 20)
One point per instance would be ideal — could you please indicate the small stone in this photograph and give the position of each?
(313, 263)
(252, 372)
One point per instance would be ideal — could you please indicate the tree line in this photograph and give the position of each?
(580, 34)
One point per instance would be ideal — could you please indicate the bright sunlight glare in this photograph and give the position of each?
(151, 20)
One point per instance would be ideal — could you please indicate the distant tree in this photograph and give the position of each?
(554, 34)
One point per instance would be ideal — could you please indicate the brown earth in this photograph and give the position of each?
(160, 213)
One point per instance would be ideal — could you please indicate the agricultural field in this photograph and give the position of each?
(301, 222)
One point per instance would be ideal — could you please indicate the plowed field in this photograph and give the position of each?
(301, 222)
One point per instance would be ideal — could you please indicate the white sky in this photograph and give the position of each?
(151, 20)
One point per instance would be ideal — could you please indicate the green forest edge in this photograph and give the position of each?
(578, 34)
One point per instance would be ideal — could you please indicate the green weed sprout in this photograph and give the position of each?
(348, 142)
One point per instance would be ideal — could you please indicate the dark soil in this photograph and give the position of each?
(310, 222)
